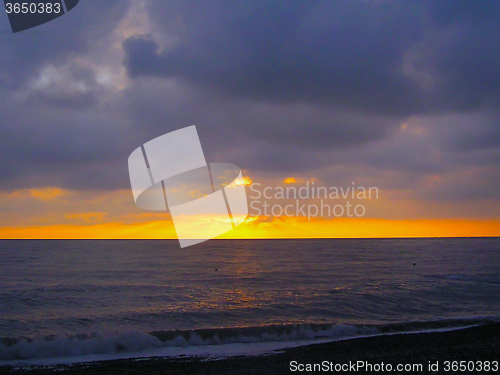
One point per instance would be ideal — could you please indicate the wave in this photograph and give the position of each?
(25, 348)
(486, 279)
(472, 278)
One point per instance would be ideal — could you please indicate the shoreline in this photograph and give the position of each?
(477, 344)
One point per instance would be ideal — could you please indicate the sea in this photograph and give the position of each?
(67, 301)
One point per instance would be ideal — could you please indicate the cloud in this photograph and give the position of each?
(26, 53)
(348, 54)
(396, 58)
(313, 89)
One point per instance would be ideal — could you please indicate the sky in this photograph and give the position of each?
(402, 96)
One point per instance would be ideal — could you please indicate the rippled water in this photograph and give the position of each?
(73, 287)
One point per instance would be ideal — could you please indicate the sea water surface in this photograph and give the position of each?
(71, 298)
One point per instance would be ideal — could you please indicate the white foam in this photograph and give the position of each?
(139, 344)
(152, 347)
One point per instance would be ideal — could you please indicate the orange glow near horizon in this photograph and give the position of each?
(53, 212)
(262, 228)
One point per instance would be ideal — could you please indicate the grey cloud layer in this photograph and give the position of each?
(275, 87)
(23, 54)
(377, 57)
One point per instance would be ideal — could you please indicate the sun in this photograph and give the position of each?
(244, 181)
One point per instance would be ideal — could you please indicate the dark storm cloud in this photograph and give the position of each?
(24, 54)
(448, 12)
(343, 53)
(329, 84)
(46, 146)
(314, 88)
(54, 130)
(465, 134)
(378, 57)
(296, 125)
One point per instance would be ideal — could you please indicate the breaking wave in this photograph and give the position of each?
(24, 348)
